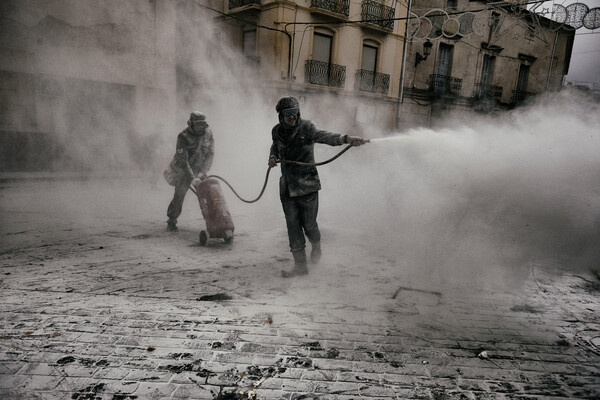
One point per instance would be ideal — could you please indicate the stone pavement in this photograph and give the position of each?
(99, 302)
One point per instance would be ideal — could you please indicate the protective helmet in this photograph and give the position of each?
(196, 116)
(287, 102)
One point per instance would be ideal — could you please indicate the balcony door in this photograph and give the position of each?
(249, 50)
(369, 58)
(487, 72)
(249, 43)
(443, 68)
(322, 45)
(522, 82)
(320, 65)
(368, 67)
(523, 78)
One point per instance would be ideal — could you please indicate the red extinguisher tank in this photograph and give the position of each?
(215, 212)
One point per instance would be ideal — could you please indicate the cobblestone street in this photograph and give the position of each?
(100, 302)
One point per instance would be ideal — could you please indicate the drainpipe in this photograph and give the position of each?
(403, 68)
(290, 56)
(292, 44)
(285, 32)
(552, 60)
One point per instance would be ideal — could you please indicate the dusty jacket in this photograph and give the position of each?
(187, 145)
(298, 145)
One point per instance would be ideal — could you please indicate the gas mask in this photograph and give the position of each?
(290, 116)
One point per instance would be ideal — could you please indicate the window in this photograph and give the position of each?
(522, 81)
(487, 70)
(320, 70)
(368, 66)
(441, 80)
(485, 88)
(451, 4)
(523, 78)
(368, 78)
(444, 59)
(322, 44)
(249, 43)
(369, 58)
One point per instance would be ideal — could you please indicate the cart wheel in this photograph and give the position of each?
(203, 238)
(228, 237)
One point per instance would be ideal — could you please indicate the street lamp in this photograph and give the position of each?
(426, 52)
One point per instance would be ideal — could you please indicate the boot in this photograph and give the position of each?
(172, 226)
(300, 267)
(315, 253)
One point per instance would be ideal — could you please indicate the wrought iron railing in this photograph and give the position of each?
(371, 81)
(417, 94)
(378, 14)
(240, 3)
(252, 61)
(322, 73)
(443, 84)
(483, 91)
(336, 6)
(519, 96)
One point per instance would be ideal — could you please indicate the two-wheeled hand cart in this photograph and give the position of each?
(214, 210)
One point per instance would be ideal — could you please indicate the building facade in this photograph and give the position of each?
(341, 54)
(77, 80)
(93, 84)
(484, 56)
(78, 76)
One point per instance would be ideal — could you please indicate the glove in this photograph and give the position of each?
(196, 182)
(272, 162)
(202, 177)
(355, 140)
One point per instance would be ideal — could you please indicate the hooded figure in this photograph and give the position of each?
(293, 140)
(194, 154)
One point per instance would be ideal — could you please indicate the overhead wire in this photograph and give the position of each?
(238, 18)
(493, 6)
(501, 3)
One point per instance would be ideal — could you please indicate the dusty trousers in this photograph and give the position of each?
(301, 218)
(176, 205)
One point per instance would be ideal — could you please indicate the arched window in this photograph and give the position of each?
(249, 43)
(320, 69)
(370, 52)
(322, 47)
(368, 78)
(522, 80)
(441, 80)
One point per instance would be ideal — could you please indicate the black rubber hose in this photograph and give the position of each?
(269, 171)
(238, 196)
(316, 164)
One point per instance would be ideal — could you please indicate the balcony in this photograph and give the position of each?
(252, 62)
(375, 14)
(443, 84)
(322, 73)
(370, 81)
(482, 91)
(244, 3)
(334, 8)
(249, 67)
(520, 96)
